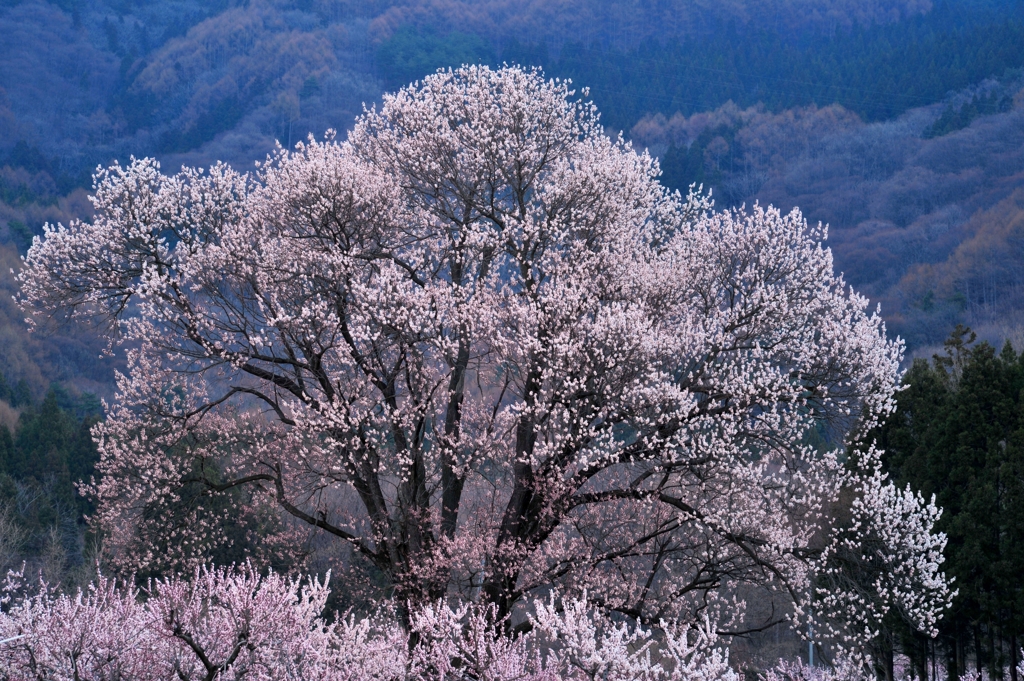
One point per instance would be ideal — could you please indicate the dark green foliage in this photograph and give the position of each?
(29, 157)
(51, 441)
(136, 108)
(21, 394)
(958, 434)
(237, 535)
(955, 118)
(221, 117)
(526, 54)
(21, 235)
(66, 5)
(18, 394)
(699, 163)
(412, 53)
(682, 166)
(41, 443)
(310, 88)
(38, 179)
(876, 71)
(50, 450)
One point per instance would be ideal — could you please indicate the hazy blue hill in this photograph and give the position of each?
(740, 95)
(85, 81)
(878, 72)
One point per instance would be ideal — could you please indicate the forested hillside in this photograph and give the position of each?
(876, 67)
(925, 217)
(862, 113)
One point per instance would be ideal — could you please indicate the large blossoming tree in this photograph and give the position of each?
(480, 343)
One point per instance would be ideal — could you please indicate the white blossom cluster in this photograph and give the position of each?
(886, 556)
(480, 344)
(219, 624)
(234, 624)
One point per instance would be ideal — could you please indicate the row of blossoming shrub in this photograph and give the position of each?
(234, 623)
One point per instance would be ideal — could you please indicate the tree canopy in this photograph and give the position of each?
(479, 343)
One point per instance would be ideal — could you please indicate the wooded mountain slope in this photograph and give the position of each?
(895, 121)
(929, 225)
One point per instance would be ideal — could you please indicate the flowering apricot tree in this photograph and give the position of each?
(220, 624)
(482, 345)
(235, 624)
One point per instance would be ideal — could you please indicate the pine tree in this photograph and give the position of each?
(958, 433)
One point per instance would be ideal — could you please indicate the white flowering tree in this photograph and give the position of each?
(480, 343)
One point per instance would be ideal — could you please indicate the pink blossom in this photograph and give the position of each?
(480, 344)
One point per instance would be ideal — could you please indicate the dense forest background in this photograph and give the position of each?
(900, 123)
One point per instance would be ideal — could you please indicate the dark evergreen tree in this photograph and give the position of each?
(958, 433)
(49, 452)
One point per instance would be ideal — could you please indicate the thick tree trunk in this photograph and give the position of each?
(995, 655)
(935, 659)
(953, 658)
(884, 666)
(1013, 655)
(922, 656)
(451, 481)
(977, 649)
(503, 571)
(890, 673)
